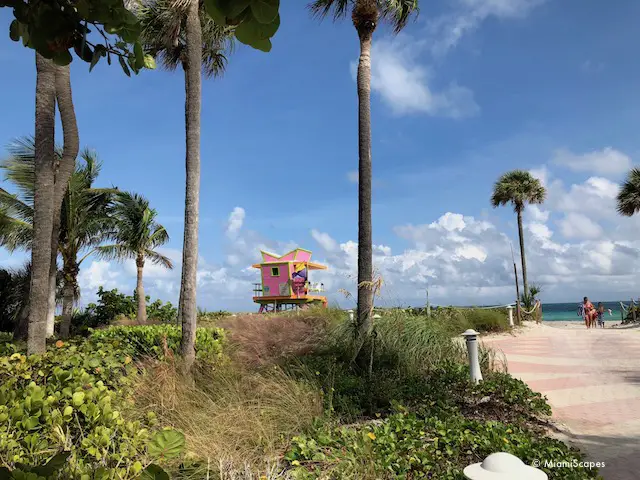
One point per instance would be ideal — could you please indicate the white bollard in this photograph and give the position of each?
(472, 348)
(510, 310)
(502, 465)
(350, 312)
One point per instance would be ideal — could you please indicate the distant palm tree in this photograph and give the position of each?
(180, 33)
(629, 195)
(365, 15)
(518, 188)
(136, 235)
(84, 221)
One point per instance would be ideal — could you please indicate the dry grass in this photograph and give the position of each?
(236, 421)
(264, 340)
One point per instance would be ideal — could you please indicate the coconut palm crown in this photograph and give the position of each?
(628, 199)
(136, 235)
(164, 36)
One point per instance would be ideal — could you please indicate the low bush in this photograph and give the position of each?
(64, 415)
(487, 320)
(407, 445)
(113, 305)
(158, 340)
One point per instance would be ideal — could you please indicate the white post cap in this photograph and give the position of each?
(503, 466)
(470, 333)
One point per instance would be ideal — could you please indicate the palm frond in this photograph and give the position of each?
(158, 258)
(628, 199)
(398, 12)
(159, 236)
(114, 252)
(519, 188)
(164, 36)
(337, 9)
(15, 234)
(12, 205)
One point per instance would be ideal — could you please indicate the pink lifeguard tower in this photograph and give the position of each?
(285, 282)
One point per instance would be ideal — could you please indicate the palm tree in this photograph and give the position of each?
(84, 220)
(629, 196)
(53, 86)
(365, 15)
(41, 254)
(136, 235)
(180, 33)
(518, 188)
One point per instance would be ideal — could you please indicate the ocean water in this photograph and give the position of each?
(556, 312)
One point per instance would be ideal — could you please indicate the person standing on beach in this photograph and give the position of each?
(600, 314)
(589, 312)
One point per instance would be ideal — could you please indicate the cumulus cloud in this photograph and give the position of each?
(576, 245)
(404, 84)
(235, 221)
(577, 225)
(324, 240)
(607, 161)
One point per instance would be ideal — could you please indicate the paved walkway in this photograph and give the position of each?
(592, 381)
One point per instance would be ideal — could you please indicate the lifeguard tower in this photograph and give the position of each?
(285, 282)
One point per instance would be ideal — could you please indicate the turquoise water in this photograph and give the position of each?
(566, 312)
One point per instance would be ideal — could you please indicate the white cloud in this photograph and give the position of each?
(607, 161)
(596, 197)
(542, 174)
(447, 30)
(404, 84)
(537, 214)
(463, 259)
(325, 241)
(577, 225)
(99, 273)
(235, 221)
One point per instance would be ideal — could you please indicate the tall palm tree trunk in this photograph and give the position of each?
(64, 170)
(522, 257)
(142, 300)
(365, 253)
(43, 204)
(192, 198)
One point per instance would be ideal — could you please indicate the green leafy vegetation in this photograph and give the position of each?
(408, 411)
(113, 305)
(408, 445)
(160, 340)
(63, 414)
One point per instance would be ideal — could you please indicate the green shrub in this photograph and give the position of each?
(406, 445)
(487, 319)
(112, 305)
(73, 401)
(148, 340)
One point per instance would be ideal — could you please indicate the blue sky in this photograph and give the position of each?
(469, 90)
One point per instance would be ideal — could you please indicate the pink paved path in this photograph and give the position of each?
(592, 381)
